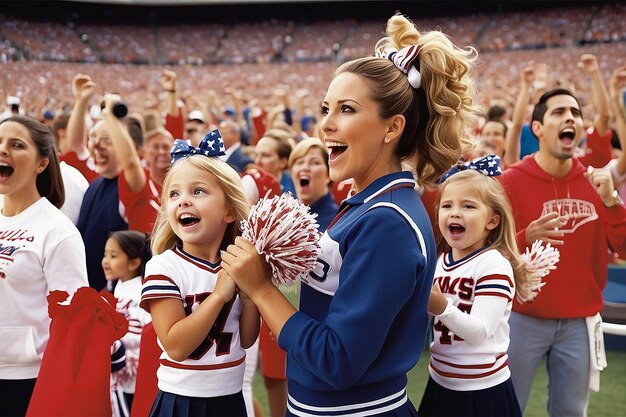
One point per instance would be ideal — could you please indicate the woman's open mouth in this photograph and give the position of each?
(336, 149)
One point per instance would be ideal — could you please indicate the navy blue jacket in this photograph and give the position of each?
(363, 319)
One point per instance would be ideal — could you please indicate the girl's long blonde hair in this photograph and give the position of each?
(502, 237)
(164, 238)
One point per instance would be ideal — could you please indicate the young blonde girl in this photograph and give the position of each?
(478, 274)
(125, 255)
(202, 324)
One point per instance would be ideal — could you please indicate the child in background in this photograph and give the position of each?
(202, 324)
(124, 260)
(476, 278)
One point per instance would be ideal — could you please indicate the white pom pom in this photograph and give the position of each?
(285, 232)
(540, 260)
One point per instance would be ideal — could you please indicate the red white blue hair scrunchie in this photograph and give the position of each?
(404, 60)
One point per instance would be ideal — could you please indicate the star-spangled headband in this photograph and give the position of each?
(211, 144)
(489, 166)
(403, 60)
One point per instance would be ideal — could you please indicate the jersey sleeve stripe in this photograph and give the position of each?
(495, 277)
(158, 278)
(149, 296)
(494, 294)
(152, 288)
(493, 287)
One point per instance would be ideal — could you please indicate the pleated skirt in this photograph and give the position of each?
(173, 405)
(498, 401)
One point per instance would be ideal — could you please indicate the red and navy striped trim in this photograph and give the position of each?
(200, 263)
(207, 367)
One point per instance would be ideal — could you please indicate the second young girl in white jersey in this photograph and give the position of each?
(125, 255)
(202, 324)
(475, 281)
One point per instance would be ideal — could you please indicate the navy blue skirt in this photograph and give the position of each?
(491, 402)
(172, 405)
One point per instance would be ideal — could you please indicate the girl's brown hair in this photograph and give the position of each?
(502, 237)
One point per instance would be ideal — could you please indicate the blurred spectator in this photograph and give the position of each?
(310, 171)
(47, 118)
(13, 108)
(491, 139)
(617, 165)
(231, 133)
(195, 127)
(272, 155)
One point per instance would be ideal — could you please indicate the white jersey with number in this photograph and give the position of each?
(471, 336)
(217, 365)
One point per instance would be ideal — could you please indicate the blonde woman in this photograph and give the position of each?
(309, 168)
(362, 320)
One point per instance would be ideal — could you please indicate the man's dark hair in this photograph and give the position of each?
(495, 113)
(135, 131)
(542, 105)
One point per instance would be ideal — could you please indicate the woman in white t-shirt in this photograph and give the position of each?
(40, 250)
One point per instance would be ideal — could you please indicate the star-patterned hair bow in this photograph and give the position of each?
(403, 60)
(488, 165)
(211, 144)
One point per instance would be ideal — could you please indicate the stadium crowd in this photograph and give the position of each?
(261, 83)
(303, 55)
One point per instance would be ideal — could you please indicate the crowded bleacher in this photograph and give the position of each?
(127, 57)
